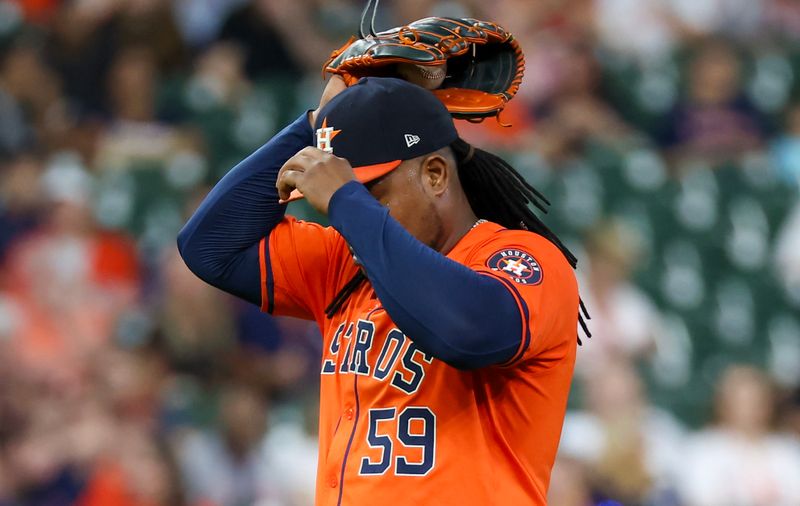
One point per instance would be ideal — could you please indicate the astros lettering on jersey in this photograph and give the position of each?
(399, 426)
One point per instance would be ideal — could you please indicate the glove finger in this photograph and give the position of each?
(450, 35)
(426, 32)
(381, 51)
(427, 41)
(492, 32)
(449, 27)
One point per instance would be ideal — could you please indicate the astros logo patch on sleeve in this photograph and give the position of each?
(520, 266)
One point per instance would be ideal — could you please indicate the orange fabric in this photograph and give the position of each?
(39, 11)
(108, 487)
(115, 259)
(303, 281)
(493, 432)
(101, 280)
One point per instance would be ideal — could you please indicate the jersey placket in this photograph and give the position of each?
(344, 434)
(344, 439)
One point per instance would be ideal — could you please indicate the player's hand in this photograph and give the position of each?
(316, 174)
(334, 87)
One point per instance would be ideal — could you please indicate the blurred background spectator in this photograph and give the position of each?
(741, 460)
(665, 132)
(625, 322)
(714, 120)
(629, 449)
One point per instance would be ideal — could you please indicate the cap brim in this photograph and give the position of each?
(364, 174)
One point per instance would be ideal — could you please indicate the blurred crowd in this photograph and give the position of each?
(665, 132)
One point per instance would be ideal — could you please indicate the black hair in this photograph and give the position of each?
(498, 193)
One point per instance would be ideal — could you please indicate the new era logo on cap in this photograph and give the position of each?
(411, 139)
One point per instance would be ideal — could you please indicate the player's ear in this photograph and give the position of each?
(435, 174)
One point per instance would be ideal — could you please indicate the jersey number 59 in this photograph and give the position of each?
(377, 438)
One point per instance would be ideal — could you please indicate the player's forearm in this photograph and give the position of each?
(464, 318)
(219, 242)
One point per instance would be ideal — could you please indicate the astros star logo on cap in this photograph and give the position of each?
(325, 135)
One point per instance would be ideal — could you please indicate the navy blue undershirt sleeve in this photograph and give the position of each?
(219, 243)
(459, 316)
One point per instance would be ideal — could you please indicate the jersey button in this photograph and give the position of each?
(348, 413)
(333, 482)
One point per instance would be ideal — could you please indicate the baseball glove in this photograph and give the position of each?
(474, 67)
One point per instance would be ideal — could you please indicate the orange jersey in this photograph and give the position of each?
(396, 424)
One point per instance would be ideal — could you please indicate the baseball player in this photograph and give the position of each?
(448, 311)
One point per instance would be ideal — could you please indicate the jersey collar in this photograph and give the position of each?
(472, 238)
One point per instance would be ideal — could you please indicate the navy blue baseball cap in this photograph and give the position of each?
(379, 122)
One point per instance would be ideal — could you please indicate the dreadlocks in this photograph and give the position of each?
(498, 193)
